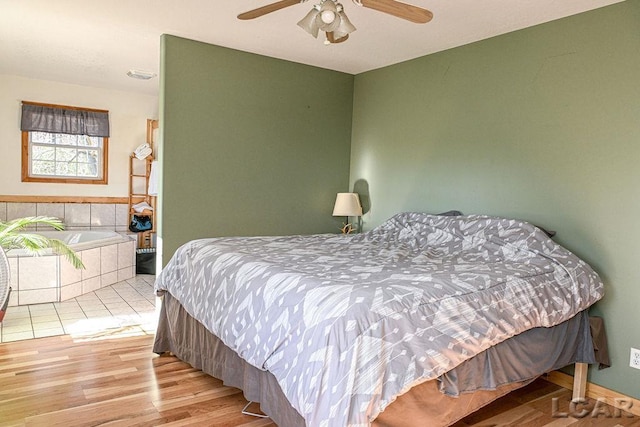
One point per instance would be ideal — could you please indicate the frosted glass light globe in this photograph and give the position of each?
(328, 16)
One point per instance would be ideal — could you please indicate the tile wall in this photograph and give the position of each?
(75, 216)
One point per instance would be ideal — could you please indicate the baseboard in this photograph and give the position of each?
(595, 391)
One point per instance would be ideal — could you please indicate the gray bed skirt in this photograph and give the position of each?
(440, 402)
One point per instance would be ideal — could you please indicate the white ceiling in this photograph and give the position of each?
(95, 42)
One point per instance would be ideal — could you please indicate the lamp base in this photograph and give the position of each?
(347, 228)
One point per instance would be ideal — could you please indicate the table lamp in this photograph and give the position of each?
(347, 205)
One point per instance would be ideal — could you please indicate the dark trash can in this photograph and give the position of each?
(146, 261)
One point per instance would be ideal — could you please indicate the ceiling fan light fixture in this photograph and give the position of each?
(328, 16)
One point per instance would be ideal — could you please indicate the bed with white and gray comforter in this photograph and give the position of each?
(346, 323)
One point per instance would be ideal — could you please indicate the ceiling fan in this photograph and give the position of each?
(329, 16)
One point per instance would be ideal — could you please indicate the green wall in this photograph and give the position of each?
(541, 124)
(250, 145)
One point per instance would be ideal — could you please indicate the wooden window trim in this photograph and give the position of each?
(26, 162)
(65, 107)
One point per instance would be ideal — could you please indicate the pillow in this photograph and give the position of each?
(549, 233)
(450, 213)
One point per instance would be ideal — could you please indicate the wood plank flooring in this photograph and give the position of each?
(59, 381)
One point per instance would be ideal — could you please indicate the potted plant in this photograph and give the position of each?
(12, 236)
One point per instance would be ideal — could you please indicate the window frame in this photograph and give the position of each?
(26, 159)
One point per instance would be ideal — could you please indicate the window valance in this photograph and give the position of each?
(62, 119)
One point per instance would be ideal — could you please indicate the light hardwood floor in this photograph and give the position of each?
(59, 381)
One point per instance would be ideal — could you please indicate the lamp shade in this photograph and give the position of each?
(347, 204)
(308, 23)
(345, 27)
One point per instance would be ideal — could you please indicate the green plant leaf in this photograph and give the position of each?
(12, 236)
(61, 248)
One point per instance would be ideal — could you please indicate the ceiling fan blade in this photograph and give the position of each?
(256, 13)
(401, 10)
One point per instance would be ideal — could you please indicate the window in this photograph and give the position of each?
(64, 144)
(61, 155)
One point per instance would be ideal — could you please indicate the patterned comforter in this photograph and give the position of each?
(346, 323)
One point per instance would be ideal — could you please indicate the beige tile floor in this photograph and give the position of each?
(127, 307)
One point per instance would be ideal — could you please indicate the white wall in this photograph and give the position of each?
(128, 114)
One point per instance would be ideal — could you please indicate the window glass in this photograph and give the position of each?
(65, 156)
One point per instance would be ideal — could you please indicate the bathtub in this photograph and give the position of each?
(76, 240)
(108, 257)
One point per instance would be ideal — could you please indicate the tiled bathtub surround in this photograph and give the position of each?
(75, 216)
(51, 278)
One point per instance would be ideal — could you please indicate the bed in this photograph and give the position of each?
(421, 320)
